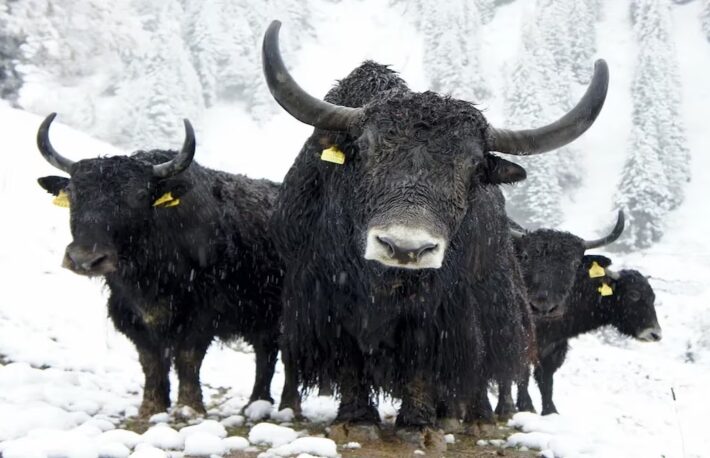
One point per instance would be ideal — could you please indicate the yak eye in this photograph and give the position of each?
(634, 295)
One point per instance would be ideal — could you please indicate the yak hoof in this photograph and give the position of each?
(149, 408)
(430, 440)
(187, 412)
(450, 425)
(342, 433)
(505, 411)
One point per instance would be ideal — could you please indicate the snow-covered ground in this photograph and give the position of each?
(72, 378)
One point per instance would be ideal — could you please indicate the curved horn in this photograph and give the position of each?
(183, 159)
(613, 235)
(561, 132)
(297, 102)
(46, 148)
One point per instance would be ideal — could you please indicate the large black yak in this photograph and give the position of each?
(185, 253)
(396, 242)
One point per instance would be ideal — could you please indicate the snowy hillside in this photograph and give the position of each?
(71, 378)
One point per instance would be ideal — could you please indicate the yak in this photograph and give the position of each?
(549, 260)
(185, 254)
(623, 299)
(394, 236)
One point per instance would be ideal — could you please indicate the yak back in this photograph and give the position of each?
(207, 259)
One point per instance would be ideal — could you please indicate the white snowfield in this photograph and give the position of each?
(71, 379)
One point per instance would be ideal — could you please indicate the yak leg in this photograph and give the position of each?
(506, 407)
(480, 410)
(266, 350)
(155, 362)
(355, 403)
(188, 362)
(545, 372)
(290, 396)
(418, 404)
(524, 402)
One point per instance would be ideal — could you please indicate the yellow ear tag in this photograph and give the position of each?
(596, 270)
(166, 200)
(61, 200)
(605, 290)
(334, 155)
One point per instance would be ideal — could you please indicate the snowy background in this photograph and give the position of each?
(123, 74)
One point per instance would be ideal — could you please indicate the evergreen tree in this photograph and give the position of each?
(705, 18)
(163, 88)
(451, 32)
(537, 200)
(486, 9)
(655, 174)
(10, 80)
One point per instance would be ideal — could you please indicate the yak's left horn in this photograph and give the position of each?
(297, 102)
(183, 159)
(561, 132)
(613, 235)
(46, 148)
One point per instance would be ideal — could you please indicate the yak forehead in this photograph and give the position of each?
(441, 124)
(550, 245)
(635, 280)
(110, 175)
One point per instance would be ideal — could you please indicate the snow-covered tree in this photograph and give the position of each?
(162, 88)
(536, 201)
(486, 10)
(705, 18)
(658, 167)
(451, 33)
(10, 40)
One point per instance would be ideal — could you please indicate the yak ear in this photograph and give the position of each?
(500, 171)
(176, 186)
(588, 259)
(53, 184)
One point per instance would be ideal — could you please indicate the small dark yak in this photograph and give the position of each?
(185, 253)
(598, 296)
(393, 251)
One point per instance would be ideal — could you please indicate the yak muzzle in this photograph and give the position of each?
(405, 247)
(652, 334)
(90, 261)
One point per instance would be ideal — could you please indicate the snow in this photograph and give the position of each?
(235, 443)
(312, 445)
(232, 421)
(273, 435)
(163, 436)
(258, 410)
(203, 443)
(72, 379)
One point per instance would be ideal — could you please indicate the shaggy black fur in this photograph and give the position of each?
(630, 309)
(417, 334)
(179, 276)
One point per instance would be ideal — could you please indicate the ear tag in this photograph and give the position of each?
(605, 290)
(334, 155)
(61, 200)
(166, 200)
(596, 270)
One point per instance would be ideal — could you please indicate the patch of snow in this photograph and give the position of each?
(450, 439)
(148, 451)
(272, 435)
(203, 443)
(283, 416)
(235, 443)
(232, 421)
(319, 446)
(128, 438)
(352, 445)
(162, 417)
(113, 450)
(258, 410)
(212, 427)
(163, 436)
